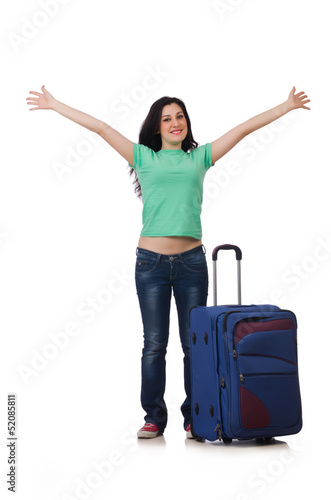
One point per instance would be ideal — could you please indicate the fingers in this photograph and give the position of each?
(301, 99)
(33, 101)
(35, 105)
(38, 93)
(301, 95)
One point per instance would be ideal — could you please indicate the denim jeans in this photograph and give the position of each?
(157, 275)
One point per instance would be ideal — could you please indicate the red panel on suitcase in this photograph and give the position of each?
(244, 328)
(254, 414)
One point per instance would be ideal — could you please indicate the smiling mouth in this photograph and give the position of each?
(177, 132)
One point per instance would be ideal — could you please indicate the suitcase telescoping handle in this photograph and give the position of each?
(238, 258)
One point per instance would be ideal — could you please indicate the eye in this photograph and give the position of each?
(169, 119)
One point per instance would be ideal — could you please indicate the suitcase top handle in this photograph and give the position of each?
(238, 258)
(228, 247)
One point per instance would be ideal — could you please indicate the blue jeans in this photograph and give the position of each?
(157, 275)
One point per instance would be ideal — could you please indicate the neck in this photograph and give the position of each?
(171, 146)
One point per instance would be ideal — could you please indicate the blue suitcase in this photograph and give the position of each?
(244, 369)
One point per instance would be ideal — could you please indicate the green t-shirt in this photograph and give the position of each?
(171, 184)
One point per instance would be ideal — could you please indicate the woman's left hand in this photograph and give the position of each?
(297, 100)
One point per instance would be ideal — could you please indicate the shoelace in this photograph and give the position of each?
(147, 426)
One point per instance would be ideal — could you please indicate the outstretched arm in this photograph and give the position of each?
(120, 143)
(225, 143)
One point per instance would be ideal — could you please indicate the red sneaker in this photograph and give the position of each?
(189, 434)
(149, 431)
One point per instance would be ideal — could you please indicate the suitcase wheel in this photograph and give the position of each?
(227, 440)
(264, 439)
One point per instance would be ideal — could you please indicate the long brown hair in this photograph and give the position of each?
(149, 137)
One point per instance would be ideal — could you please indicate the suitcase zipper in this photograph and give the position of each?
(225, 330)
(265, 374)
(218, 430)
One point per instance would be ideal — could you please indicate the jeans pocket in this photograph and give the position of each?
(145, 263)
(195, 262)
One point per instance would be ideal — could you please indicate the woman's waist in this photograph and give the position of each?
(168, 245)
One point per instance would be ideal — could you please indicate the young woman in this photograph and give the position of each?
(169, 169)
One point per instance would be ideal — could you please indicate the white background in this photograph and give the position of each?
(68, 236)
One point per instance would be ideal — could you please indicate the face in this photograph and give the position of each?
(173, 126)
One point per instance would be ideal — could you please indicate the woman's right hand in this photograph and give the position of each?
(42, 101)
(46, 101)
